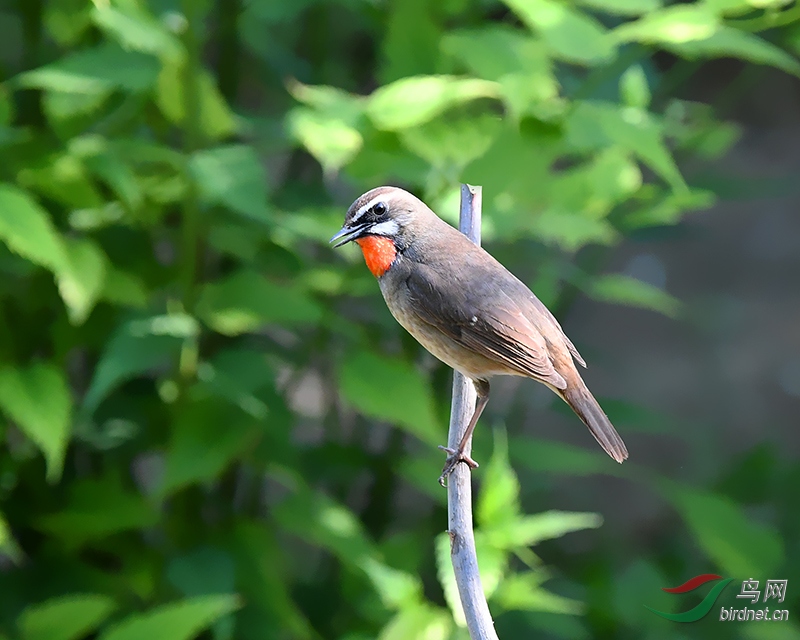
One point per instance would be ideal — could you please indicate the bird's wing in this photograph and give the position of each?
(485, 320)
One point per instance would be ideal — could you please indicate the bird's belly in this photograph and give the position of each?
(471, 364)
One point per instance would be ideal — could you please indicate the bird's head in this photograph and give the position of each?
(383, 222)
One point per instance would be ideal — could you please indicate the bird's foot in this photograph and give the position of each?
(454, 456)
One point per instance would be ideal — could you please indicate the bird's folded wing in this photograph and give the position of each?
(499, 332)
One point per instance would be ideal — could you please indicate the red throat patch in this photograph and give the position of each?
(379, 253)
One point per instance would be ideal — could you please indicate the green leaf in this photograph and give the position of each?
(739, 545)
(135, 30)
(569, 33)
(495, 51)
(82, 283)
(526, 531)
(26, 229)
(319, 520)
(136, 348)
(522, 592)
(65, 618)
(499, 497)
(124, 289)
(423, 622)
(216, 119)
(730, 42)
(330, 140)
(364, 378)
(597, 125)
(202, 571)
(571, 230)
(8, 545)
(622, 7)
(453, 141)
(38, 399)
(630, 291)
(246, 301)
(233, 177)
(416, 100)
(669, 209)
(264, 578)
(675, 24)
(181, 620)
(410, 42)
(199, 450)
(97, 509)
(97, 70)
(633, 87)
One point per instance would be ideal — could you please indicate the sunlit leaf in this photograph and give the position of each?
(94, 70)
(216, 119)
(596, 125)
(135, 30)
(9, 547)
(81, 284)
(675, 24)
(26, 229)
(181, 620)
(416, 100)
(422, 621)
(571, 230)
(499, 495)
(65, 618)
(730, 42)
(569, 33)
(623, 7)
(525, 531)
(522, 591)
(364, 378)
(633, 87)
(39, 401)
(330, 140)
(630, 291)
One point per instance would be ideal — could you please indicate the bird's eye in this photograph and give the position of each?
(379, 209)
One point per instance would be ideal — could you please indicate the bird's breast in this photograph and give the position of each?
(436, 342)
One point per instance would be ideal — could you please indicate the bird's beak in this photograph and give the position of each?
(347, 234)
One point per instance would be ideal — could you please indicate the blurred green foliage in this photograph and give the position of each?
(211, 426)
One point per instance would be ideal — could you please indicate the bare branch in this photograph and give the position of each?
(459, 487)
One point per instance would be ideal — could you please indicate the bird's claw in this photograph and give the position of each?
(453, 458)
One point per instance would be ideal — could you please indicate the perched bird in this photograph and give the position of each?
(466, 308)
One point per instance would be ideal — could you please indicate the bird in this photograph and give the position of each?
(467, 309)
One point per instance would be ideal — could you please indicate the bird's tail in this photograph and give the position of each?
(583, 403)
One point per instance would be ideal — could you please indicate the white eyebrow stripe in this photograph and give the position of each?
(387, 228)
(369, 205)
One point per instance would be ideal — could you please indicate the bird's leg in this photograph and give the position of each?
(460, 454)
